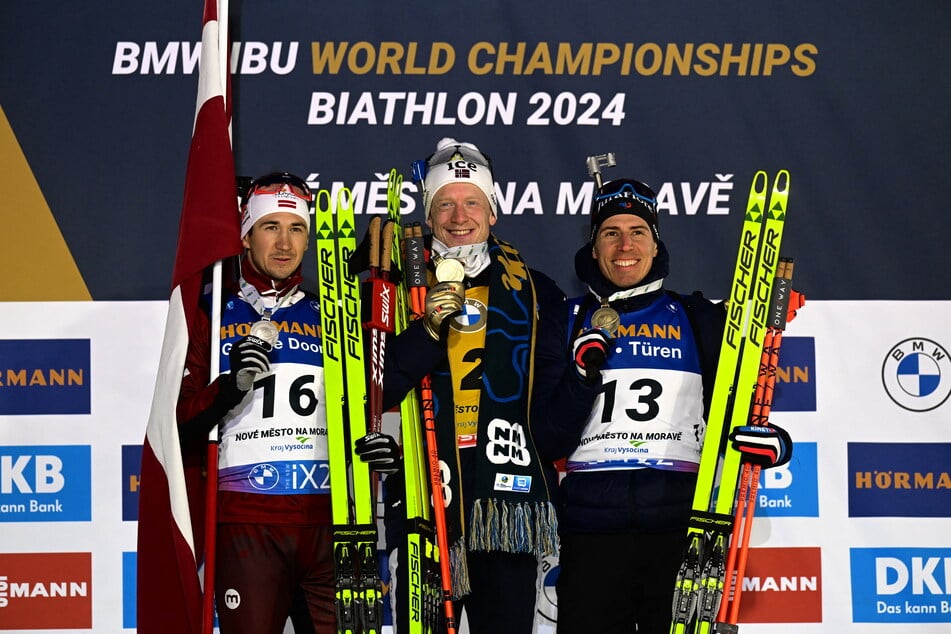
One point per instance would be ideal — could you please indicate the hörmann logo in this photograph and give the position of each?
(44, 376)
(45, 591)
(899, 480)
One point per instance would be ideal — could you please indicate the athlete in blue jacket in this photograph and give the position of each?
(623, 380)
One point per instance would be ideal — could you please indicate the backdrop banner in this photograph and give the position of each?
(97, 107)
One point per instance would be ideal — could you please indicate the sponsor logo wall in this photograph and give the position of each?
(851, 533)
(851, 536)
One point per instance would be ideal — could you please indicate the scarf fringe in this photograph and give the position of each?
(530, 527)
(459, 569)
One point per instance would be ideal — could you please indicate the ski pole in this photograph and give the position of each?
(784, 304)
(429, 424)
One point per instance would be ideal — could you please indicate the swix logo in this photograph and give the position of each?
(40, 591)
(386, 313)
(507, 443)
(379, 352)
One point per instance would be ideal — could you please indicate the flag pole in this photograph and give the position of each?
(211, 482)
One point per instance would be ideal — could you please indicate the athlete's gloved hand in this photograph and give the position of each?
(763, 445)
(248, 358)
(380, 451)
(443, 301)
(589, 352)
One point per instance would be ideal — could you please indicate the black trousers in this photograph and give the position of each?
(618, 583)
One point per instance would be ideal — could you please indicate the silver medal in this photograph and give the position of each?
(265, 330)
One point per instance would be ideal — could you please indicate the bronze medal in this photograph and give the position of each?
(606, 318)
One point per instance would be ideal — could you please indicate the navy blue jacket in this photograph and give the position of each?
(612, 501)
(413, 354)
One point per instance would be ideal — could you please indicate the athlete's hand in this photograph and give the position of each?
(380, 451)
(589, 351)
(764, 445)
(248, 358)
(443, 301)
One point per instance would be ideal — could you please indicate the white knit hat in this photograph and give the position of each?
(261, 204)
(458, 162)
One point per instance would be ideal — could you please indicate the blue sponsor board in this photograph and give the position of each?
(795, 389)
(131, 467)
(45, 483)
(791, 490)
(899, 479)
(901, 585)
(44, 376)
(130, 566)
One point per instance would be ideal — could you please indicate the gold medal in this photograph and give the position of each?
(606, 318)
(449, 270)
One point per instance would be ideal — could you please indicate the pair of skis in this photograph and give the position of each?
(757, 310)
(428, 577)
(358, 594)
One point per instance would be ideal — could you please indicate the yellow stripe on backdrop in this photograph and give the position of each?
(35, 262)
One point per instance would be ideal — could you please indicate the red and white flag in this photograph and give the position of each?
(170, 494)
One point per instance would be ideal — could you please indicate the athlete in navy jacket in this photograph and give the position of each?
(624, 376)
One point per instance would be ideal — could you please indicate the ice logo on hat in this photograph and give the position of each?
(458, 162)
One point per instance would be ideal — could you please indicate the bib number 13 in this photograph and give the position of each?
(642, 394)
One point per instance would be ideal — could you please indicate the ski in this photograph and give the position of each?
(422, 574)
(783, 306)
(700, 580)
(358, 592)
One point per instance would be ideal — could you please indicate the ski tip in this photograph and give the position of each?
(781, 182)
